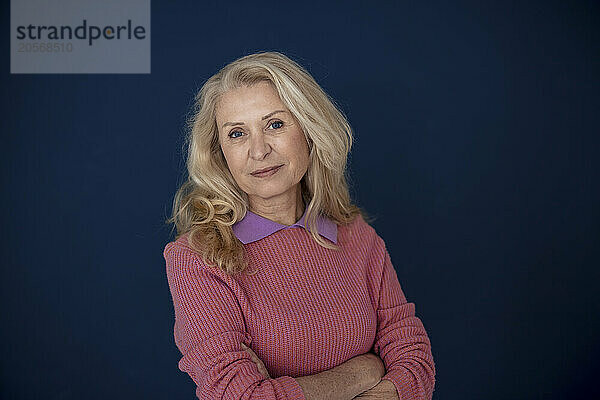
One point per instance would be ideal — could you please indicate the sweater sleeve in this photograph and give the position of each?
(401, 340)
(209, 329)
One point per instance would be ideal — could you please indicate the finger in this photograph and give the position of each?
(261, 367)
(253, 356)
(249, 351)
(252, 353)
(263, 370)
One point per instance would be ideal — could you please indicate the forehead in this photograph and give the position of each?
(247, 103)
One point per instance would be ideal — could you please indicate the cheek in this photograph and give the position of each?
(232, 160)
(301, 147)
(300, 152)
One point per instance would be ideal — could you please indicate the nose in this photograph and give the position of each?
(259, 148)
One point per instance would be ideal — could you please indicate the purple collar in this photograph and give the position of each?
(254, 227)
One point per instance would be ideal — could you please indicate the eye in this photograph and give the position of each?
(278, 124)
(232, 134)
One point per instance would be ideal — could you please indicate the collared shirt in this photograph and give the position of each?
(254, 227)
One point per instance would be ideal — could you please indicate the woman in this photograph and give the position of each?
(281, 289)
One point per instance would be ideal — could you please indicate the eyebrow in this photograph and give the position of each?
(263, 118)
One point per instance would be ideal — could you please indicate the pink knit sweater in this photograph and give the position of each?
(307, 310)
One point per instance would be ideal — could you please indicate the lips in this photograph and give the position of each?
(260, 171)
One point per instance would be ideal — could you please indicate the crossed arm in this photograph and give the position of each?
(209, 331)
(357, 378)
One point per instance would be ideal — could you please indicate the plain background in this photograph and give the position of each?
(476, 148)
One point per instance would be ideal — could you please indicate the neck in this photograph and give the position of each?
(285, 210)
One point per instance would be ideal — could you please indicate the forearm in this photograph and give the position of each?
(345, 381)
(384, 390)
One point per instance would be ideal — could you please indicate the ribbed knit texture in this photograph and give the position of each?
(307, 310)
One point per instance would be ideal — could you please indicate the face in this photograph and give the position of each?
(256, 131)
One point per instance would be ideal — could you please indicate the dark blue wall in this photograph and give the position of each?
(477, 149)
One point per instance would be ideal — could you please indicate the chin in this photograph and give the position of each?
(268, 192)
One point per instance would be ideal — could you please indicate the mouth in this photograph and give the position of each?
(266, 171)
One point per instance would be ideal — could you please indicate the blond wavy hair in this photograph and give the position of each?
(209, 201)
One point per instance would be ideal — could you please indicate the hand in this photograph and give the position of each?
(384, 390)
(261, 367)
